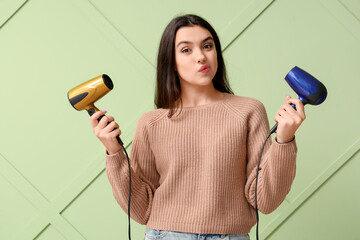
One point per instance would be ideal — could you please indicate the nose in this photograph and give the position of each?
(200, 57)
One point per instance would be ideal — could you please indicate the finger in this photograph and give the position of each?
(107, 119)
(111, 136)
(112, 125)
(277, 117)
(283, 113)
(287, 97)
(97, 114)
(299, 107)
(291, 120)
(280, 117)
(288, 108)
(94, 118)
(104, 121)
(116, 132)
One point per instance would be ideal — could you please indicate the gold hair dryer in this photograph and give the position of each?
(86, 94)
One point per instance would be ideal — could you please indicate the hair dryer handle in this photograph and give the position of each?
(273, 129)
(117, 137)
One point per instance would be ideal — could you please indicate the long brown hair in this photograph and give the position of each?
(167, 81)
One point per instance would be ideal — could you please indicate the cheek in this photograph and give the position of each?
(182, 65)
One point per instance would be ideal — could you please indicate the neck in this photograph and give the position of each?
(201, 96)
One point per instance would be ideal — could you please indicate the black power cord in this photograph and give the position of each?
(256, 182)
(129, 190)
(91, 112)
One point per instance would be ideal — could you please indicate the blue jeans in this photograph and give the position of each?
(152, 234)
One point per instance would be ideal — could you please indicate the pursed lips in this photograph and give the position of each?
(204, 68)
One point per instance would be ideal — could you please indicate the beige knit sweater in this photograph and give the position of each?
(196, 171)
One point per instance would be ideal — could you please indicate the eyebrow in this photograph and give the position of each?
(187, 42)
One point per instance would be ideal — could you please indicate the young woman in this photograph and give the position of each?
(194, 158)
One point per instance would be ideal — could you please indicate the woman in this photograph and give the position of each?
(193, 159)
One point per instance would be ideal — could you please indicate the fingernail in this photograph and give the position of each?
(104, 111)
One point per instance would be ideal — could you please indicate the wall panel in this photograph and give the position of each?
(52, 171)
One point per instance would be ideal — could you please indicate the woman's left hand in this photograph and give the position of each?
(289, 119)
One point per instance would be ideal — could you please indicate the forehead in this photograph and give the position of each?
(191, 34)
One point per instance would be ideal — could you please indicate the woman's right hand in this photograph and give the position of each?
(106, 132)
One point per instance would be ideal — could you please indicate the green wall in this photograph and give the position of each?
(53, 183)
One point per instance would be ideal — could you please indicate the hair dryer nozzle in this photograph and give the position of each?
(310, 90)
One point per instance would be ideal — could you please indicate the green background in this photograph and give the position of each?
(53, 183)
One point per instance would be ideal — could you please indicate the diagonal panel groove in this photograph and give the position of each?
(99, 21)
(21, 184)
(48, 211)
(8, 9)
(244, 20)
(351, 6)
(346, 18)
(123, 36)
(312, 188)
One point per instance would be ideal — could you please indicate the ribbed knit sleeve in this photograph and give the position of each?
(277, 167)
(144, 177)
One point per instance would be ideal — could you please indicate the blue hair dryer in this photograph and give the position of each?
(310, 90)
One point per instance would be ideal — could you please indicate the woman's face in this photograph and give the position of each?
(195, 56)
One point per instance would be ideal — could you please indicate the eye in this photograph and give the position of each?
(208, 46)
(185, 50)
